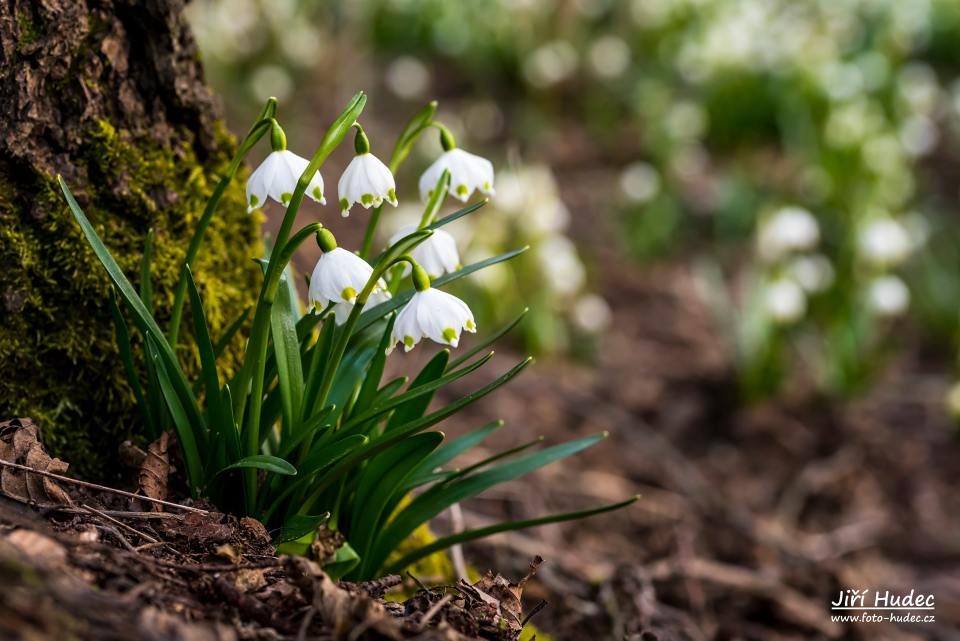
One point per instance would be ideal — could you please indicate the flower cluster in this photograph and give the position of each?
(341, 279)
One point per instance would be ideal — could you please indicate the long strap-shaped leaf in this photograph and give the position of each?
(126, 356)
(286, 348)
(177, 379)
(449, 452)
(439, 497)
(470, 535)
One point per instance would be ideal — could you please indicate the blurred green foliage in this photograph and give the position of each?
(712, 116)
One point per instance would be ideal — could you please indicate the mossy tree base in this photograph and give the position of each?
(110, 94)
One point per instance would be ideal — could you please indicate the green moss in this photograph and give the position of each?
(56, 337)
(30, 30)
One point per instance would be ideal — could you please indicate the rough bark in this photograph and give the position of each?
(110, 94)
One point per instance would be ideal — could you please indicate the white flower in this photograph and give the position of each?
(468, 172)
(437, 255)
(885, 242)
(277, 177)
(338, 277)
(789, 229)
(888, 296)
(813, 272)
(785, 301)
(433, 314)
(366, 181)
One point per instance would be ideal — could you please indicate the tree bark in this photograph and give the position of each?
(110, 94)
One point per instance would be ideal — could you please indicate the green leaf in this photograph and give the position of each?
(208, 360)
(509, 526)
(266, 462)
(126, 357)
(301, 525)
(286, 346)
(382, 479)
(185, 432)
(176, 378)
(417, 124)
(371, 382)
(439, 497)
(390, 438)
(343, 560)
(230, 332)
(446, 220)
(420, 391)
(460, 445)
(319, 361)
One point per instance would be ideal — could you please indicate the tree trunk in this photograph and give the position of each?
(110, 94)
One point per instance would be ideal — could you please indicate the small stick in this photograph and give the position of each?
(102, 488)
(145, 537)
(432, 612)
(121, 514)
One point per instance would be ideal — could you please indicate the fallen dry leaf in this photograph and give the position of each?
(155, 470)
(20, 443)
(41, 549)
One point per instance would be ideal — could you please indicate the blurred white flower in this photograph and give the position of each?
(814, 272)
(437, 255)
(277, 177)
(785, 301)
(919, 135)
(888, 296)
(560, 264)
(468, 172)
(609, 56)
(884, 241)
(591, 314)
(433, 314)
(271, 80)
(789, 229)
(640, 182)
(408, 77)
(550, 63)
(366, 181)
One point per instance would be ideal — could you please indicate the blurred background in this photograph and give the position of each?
(744, 263)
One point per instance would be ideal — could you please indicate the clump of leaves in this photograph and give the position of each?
(307, 434)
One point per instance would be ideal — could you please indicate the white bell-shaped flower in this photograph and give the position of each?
(888, 296)
(339, 275)
(437, 255)
(432, 314)
(785, 301)
(366, 180)
(277, 177)
(468, 172)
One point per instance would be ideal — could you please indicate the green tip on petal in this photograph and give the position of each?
(392, 196)
(317, 194)
(462, 190)
(450, 335)
(470, 325)
(344, 204)
(408, 342)
(348, 294)
(367, 199)
(285, 197)
(254, 200)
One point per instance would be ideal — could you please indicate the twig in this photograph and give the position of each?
(432, 612)
(145, 537)
(456, 551)
(532, 613)
(120, 514)
(305, 623)
(102, 488)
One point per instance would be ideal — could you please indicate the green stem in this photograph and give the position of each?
(252, 371)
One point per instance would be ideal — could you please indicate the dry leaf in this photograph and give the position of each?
(20, 443)
(41, 549)
(155, 470)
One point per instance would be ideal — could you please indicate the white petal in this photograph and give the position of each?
(260, 180)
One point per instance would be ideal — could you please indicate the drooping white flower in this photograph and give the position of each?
(437, 255)
(885, 242)
(468, 172)
(338, 277)
(433, 314)
(366, 181)
(277, 178)
(785, 301)
(789, 229)
(888, 296)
